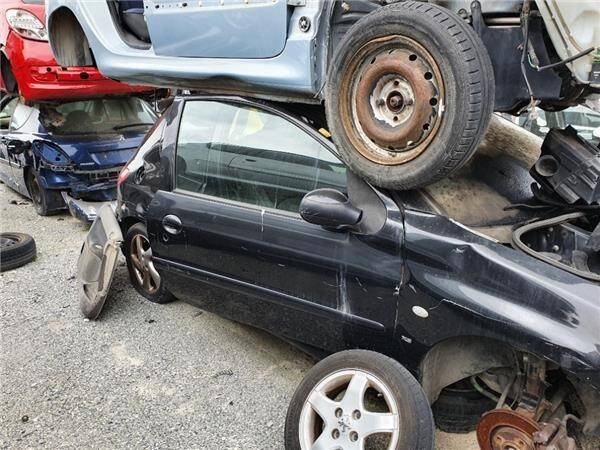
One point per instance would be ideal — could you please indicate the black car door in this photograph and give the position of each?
(229, 236)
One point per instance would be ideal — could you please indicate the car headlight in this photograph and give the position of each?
(26, 25)
(52, 155)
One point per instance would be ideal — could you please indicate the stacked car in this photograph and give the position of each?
(65, 132)
(333, 184)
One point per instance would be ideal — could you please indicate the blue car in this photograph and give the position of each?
(69, 154)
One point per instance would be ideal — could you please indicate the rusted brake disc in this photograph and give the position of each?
(505, 429)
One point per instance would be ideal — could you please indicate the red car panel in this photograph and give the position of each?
(38, 75)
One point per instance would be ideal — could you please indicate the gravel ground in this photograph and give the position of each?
(144, 375)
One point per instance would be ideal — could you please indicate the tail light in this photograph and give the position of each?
(26, 24)
(123, 175)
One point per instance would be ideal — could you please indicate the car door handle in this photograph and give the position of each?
(172, 224)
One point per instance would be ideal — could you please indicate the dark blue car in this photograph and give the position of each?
(69, 154)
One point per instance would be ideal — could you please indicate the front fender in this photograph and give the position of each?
(473, 286)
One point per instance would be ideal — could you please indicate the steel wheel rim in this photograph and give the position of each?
(7, 241)
(385, 69)
(346, 423)
(143, 268)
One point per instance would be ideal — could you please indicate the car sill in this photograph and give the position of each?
(269, 295)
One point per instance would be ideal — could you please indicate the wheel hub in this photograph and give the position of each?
(397, 98)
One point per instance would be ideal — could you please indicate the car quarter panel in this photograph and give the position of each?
(472, 286)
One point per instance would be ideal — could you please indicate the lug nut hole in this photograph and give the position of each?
(335, 433)
(339, 412)
(353, 436)
(412, 57)
(356, 414)
(433, 101)
(428, 75)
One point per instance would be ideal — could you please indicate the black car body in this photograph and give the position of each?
(427, 277)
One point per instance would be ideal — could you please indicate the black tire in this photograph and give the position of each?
(459, 408)
(462, 63)
(159, 294)
(416, 421)
(16, 250)
(46, 202)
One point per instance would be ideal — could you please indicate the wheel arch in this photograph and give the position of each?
(68, 41)
(461, 357)
(129, 221)
(342, 16)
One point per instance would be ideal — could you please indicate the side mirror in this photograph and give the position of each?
(329, 208)
(17, 147)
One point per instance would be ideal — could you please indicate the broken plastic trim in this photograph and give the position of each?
(97, 261)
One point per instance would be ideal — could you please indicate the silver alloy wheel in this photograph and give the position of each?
(141, 257)
(327, 423)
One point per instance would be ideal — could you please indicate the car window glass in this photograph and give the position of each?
(249, 155)
(7, 112)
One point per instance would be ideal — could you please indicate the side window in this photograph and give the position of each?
(246, 154)
(7, 112)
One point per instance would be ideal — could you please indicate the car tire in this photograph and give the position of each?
(16, 250)
(327, 380)
(142, 273)
(459, 408)
(409, 94)
(45, 201)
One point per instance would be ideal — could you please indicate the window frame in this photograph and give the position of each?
(304, 127)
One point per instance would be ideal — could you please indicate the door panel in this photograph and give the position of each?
(217, 28)
(278, 273)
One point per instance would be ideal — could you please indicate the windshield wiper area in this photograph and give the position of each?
(120, 127)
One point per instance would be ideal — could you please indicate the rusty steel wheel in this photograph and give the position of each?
(396, 100)
(409, 94)
(505, 429)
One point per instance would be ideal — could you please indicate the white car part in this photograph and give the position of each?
(573, 26)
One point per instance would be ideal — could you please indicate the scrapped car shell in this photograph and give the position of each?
(97, 262)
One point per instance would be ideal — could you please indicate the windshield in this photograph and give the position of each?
(98, 116)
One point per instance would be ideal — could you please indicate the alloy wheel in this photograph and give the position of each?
(141, 256)
(330, 422)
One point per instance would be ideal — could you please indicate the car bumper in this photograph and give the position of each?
(84, 210)
(97, 262)
(40, 78)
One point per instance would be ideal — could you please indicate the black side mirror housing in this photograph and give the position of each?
(17, 147)
(329, 208)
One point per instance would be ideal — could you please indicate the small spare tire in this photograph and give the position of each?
(409, 94)
(16, 250)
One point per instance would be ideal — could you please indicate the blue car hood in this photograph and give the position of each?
(99, 151)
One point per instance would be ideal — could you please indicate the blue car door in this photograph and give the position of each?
(217, 28)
